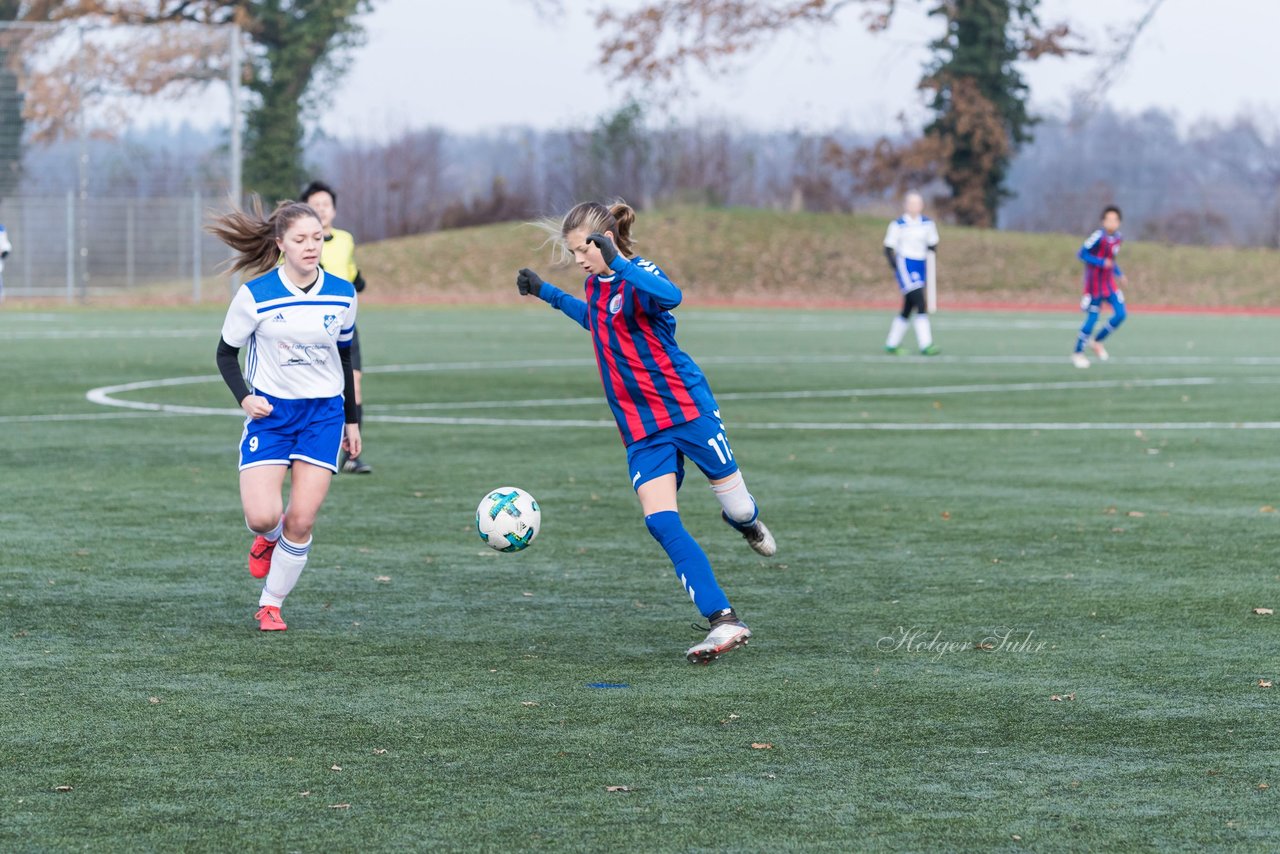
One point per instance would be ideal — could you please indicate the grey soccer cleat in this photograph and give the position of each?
(756, 535)
(724, 637)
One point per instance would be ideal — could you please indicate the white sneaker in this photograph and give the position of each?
(723, 638)
(1099, 351)
(1080, 360)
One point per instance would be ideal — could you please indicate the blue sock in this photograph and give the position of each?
(1117, 317)
(691, 564)
(1086, 331)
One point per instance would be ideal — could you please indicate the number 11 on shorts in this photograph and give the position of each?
(720, 445)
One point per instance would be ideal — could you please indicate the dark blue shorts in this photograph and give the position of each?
(307, 430)
(702, 440)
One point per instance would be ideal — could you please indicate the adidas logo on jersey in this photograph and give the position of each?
(279, 318)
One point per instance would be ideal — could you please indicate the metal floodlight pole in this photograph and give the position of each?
(196, 260)
(81, 130)
(235, 77)
(71, 246)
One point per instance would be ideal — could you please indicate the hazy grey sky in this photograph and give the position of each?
(489, 63)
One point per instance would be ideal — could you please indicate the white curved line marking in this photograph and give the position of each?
(106, 396)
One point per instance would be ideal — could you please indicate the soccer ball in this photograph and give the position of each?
(508, 519)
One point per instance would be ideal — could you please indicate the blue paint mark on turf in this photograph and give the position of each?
(608, 685)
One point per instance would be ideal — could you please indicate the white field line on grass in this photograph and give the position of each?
(817, 394)
(106, 396)
(75, 334)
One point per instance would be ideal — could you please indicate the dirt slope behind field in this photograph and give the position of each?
(752, 256)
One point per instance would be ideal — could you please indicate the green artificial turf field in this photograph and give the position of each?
(1111, 524)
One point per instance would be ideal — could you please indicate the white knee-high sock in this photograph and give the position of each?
(897, 331)
(739, 507)
(287, 562)
(924, 333)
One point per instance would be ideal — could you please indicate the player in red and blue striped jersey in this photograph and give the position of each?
(1102, 281)
(661, 401)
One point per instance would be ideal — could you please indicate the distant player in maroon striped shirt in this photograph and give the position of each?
(660, 399)
(1102, 282)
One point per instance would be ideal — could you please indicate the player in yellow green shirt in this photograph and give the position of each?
(338, 256)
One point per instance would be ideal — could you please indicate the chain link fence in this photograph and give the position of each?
(141, 247)
(104, 192)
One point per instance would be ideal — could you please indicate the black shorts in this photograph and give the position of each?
(355, 350)
(911, 300)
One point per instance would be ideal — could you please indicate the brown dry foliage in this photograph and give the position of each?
(653, 42)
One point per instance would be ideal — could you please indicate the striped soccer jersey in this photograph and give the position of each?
(1099, 280)
(293, 337)
(649, 382)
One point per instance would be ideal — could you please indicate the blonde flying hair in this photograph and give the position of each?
(617, 218)
(253, 235)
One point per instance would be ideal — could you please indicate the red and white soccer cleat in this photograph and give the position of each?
(723, 638)
(260, 557)
(1099, 351)
(268, 618)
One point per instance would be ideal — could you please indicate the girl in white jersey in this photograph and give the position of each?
(907, 244)
(297, 322)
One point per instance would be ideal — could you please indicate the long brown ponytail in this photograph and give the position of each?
(253, 235)
(616, 218)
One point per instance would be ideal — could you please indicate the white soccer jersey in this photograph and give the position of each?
(5, 246)
(912, 237)
(293, 337)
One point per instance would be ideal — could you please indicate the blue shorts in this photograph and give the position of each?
(702, 440)
(911, 273)
(307, 430)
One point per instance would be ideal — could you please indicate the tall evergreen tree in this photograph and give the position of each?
(979, 100)
(978, 97)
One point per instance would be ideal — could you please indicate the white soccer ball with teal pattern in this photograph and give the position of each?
(508, 519)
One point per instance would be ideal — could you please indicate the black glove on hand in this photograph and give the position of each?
(892, 258)
(528, 283)
(606, 247)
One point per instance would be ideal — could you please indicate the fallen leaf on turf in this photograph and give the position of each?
(946, 514)
(528, 703)
(1139, 434)
(771, 776)
(1016, 838)
(761, 745)
(1137, 514)
(1110, 511)
(984, 645)
(1266, 508)
(379, 751)
(305, 794)
(1263, 787)
(335, 767)
(63, 788)
(382, 578)
(526, 594)
(339, 806)
(617, 788)
(1266, 612)
(155, 701)
(1058, 698)
(1214, 772)
(1264, 683)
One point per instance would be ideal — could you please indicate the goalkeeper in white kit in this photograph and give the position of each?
(907, 244)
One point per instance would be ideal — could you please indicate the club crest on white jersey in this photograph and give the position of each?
(293, 336)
